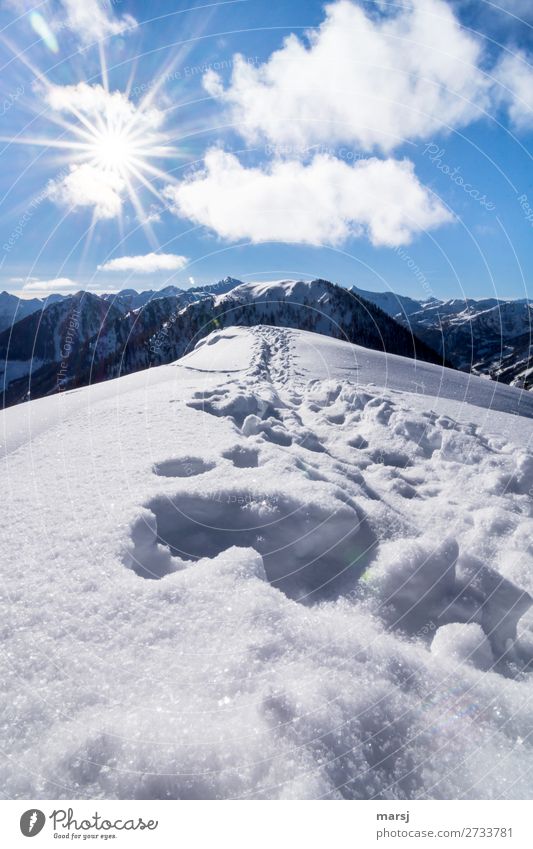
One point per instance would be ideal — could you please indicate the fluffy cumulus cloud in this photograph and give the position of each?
(322, 202)
(60, 284)
(370, 80)
(88, 186)
(146, 264)
(373, 79)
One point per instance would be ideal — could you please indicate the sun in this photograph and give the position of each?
(116, 141)
(114, 150)
(110, 133)
(110, 141)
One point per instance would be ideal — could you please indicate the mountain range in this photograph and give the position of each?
(491, 337)
(13, 309)
(86, 338)
(64, 342)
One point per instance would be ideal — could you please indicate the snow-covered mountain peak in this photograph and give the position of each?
(297, 291)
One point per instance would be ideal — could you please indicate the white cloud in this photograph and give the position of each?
(374, 80)
(60, 284)
(93, 20)
(152, 216)
(88, 186)
(96, 103)
(515, 77)
(323, 202)
(146, 264)
(371, 80)
(89, 20)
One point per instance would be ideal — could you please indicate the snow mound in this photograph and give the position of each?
(416, 579)
(466, 643)
(287, 580)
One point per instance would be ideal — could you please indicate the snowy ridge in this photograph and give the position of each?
(296, 291)
(110, 337)
(273, 577)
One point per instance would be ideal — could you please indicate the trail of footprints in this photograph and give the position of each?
(309, 553)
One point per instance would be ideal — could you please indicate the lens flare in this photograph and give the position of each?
(42, 29)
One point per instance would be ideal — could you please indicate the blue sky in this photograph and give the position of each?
(386, 145)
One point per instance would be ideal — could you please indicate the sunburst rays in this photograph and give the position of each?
(105, 133)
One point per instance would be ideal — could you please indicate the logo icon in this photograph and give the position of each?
(32, 822)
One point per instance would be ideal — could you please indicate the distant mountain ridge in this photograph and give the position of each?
(490, 336)
(87, 338)
(13, 309)
(68, 341)
(130, 299)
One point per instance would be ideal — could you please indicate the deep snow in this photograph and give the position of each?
(282, 567)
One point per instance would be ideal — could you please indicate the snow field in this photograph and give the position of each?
(263, 583)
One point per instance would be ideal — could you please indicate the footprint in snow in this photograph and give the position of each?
(183, 467)
(242, 457)
(309, 553)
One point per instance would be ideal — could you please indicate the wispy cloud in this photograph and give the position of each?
(89, 20)
(59, 285)
(22, 280)
(93, 20)
(146, 263)
(515, 77)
